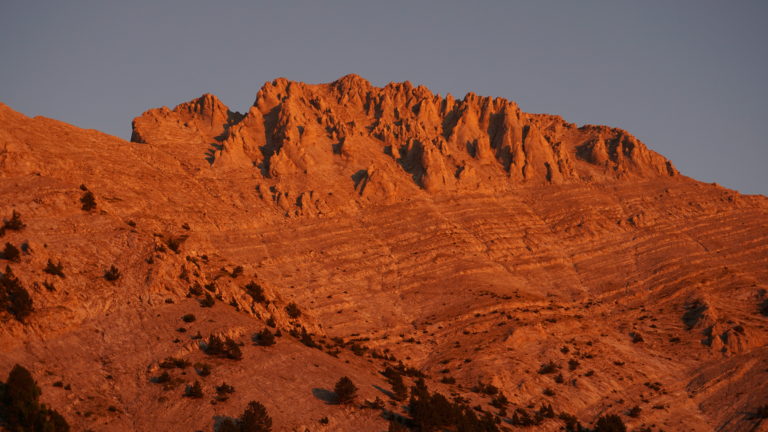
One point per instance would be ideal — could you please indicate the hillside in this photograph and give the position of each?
(470, 240)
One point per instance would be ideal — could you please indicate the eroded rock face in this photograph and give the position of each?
(293, 128)
(464, 237)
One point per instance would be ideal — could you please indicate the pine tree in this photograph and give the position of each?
(14, 298)
(232, 350)
(255, 418)
(14, 224)
(214, 346)
(256, 292)
(293, 310)
(54, 269)
(88, 201)
(265, 338)
(11, 253)
(228, 426)
(345, 390)
(20, 407)
(610, 423)
(112, 274)
(195, 391)
(399, 390)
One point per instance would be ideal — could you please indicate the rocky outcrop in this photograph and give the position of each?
(307, 133)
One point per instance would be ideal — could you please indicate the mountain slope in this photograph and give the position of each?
(465, 237)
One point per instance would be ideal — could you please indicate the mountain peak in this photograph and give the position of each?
(435, 143)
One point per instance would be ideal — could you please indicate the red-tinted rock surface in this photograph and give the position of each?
(466, 237)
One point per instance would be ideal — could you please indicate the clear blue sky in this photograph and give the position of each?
(686, 77)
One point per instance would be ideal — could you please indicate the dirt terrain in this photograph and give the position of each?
(474, 242)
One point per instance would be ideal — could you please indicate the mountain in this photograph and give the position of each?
(493, 251)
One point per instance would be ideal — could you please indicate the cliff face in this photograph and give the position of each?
(310, 134)
(468, 239)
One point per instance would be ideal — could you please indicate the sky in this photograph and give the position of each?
(686, 77)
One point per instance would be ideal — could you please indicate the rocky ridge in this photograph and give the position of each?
(466, 238)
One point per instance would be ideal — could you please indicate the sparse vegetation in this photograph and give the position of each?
(88, 201)
(399, 390)
(208, 301)
(236, 272)
(14, 298)
(21, 409)
(163, 378)
(306, 339)
(256, 292)
(10, 253)
(293, 310)
(432, 412)
(195, 290)
(448, 380)
(255, 418)
(54, 269)
(174, 363)
(223, 391)
(548, 368)
(112, 274)
(488, 389)
(265, 338)
(13, 224)
(610, 423)
(571, 423)
(499, 401)
(174, 243)
(346, 391)
(203, 369)
(228, 425)
(522, 417)
(226, 348)
(764, 307)
(194, 391)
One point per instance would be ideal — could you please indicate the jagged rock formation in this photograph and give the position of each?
(465, 237)
(311, 133)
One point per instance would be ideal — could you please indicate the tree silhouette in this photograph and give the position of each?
(610, 423)
(256, 292)
(54, 269)
(345, 390)
(112, 274)
(11, 253)
(14, 298)
(195, 391)
(255, 418)
(293, 310)
(14, 223)
(265, 338)
(20, 407)
(399, 390)
(88, 201)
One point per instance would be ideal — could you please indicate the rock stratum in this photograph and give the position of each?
(472, 241)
